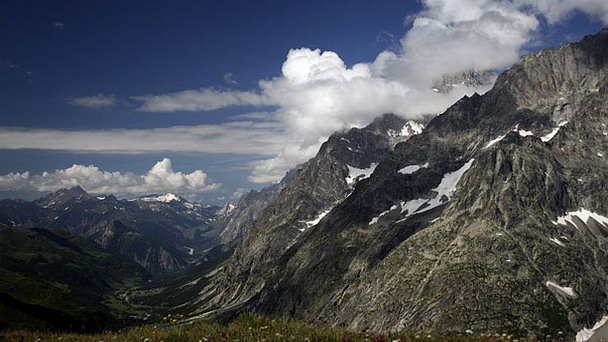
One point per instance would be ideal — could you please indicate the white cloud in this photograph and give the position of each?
(453, 36)
(239, 137)
(199, 100)
(557, 10)
(318, 94)
(228, 79)
(161, 178)
(95, 101)
(239, 193)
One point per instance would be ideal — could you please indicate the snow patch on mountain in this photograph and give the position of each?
(586, 333)
(548, 137)
(375, 219)
(168, 197)
(227, 209)
(557, 242)
(443, 193)
(412, 168)
(525, 133)
(563, 290)
(410, 128)
(315, 221)
(356, 174)
(494, 141)
(582, 214)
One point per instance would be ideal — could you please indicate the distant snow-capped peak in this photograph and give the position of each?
(168, 197)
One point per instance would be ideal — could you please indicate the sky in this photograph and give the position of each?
(207, 98)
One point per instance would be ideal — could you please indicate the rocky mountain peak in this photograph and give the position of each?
(63, 196)
(166, 198)
(555, 81)
(467, 79)
(493, 218)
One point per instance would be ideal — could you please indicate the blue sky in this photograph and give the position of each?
(57, 55)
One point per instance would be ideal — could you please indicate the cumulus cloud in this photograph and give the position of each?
(557, 10)
(238, 137)
(454, 36)
(317, 94)
(95, 101)
(160, 178)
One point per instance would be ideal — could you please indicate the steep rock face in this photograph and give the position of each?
(468, 79)
(249, 208)
(493, 218)
(498, 258)
(324, 181)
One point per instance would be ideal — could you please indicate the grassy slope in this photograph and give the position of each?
(52, 280)
(244, 328)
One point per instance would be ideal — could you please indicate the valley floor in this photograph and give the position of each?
(245, 328)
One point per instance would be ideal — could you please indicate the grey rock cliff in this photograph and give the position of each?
(323, 182)
(249, 207)
(494, 218)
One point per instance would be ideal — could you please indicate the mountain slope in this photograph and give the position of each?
(324, 181)
(453, 230)
(503, 256)
(249, 208)
(53, 280)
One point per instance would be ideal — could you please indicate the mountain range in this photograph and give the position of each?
(491, 217)
(160, 232)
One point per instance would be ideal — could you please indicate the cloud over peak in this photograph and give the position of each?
(161, 178)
